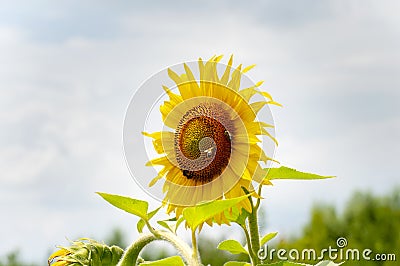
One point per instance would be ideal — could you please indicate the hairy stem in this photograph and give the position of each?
(249, 246)
(259, 199)
(132, 253)
(195, 255)
(254, 233)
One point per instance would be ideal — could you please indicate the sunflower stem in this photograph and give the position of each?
(151, 229)
(195, 255)
(248, 240)
(259, 198)
(131, 254)
(254, 233)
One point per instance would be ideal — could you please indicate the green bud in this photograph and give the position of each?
(86, 252)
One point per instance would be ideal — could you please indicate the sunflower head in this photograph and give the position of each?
(210, 146)
(86, 252)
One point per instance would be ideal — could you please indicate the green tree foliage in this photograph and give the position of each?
(116, 238)
(367, 222)
(13, 259)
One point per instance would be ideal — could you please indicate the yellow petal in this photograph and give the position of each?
(159, 161)
(184, 88)
(234, 83)
(275, 103)
(59, 253)
(246, 69)
(225, 77)
(257, 106)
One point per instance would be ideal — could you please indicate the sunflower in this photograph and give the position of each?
(86, 252)
(210, 146)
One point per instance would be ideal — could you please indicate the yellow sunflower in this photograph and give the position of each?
(210, 148)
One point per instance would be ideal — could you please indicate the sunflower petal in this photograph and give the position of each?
(234, 83)
(246, 69)
(225, 77)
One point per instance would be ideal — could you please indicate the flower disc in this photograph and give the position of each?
(202, 145)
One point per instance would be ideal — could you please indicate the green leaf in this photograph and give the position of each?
(290, 173)
(166, 225)
(171, 261)
(198, 214)
(232, 246)
(268, 237)
(171, 224)
(236, 216)
(141, 223)
(237, 263)
(133, 206)
(152, 213)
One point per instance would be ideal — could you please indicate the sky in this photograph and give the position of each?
(69, 69)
